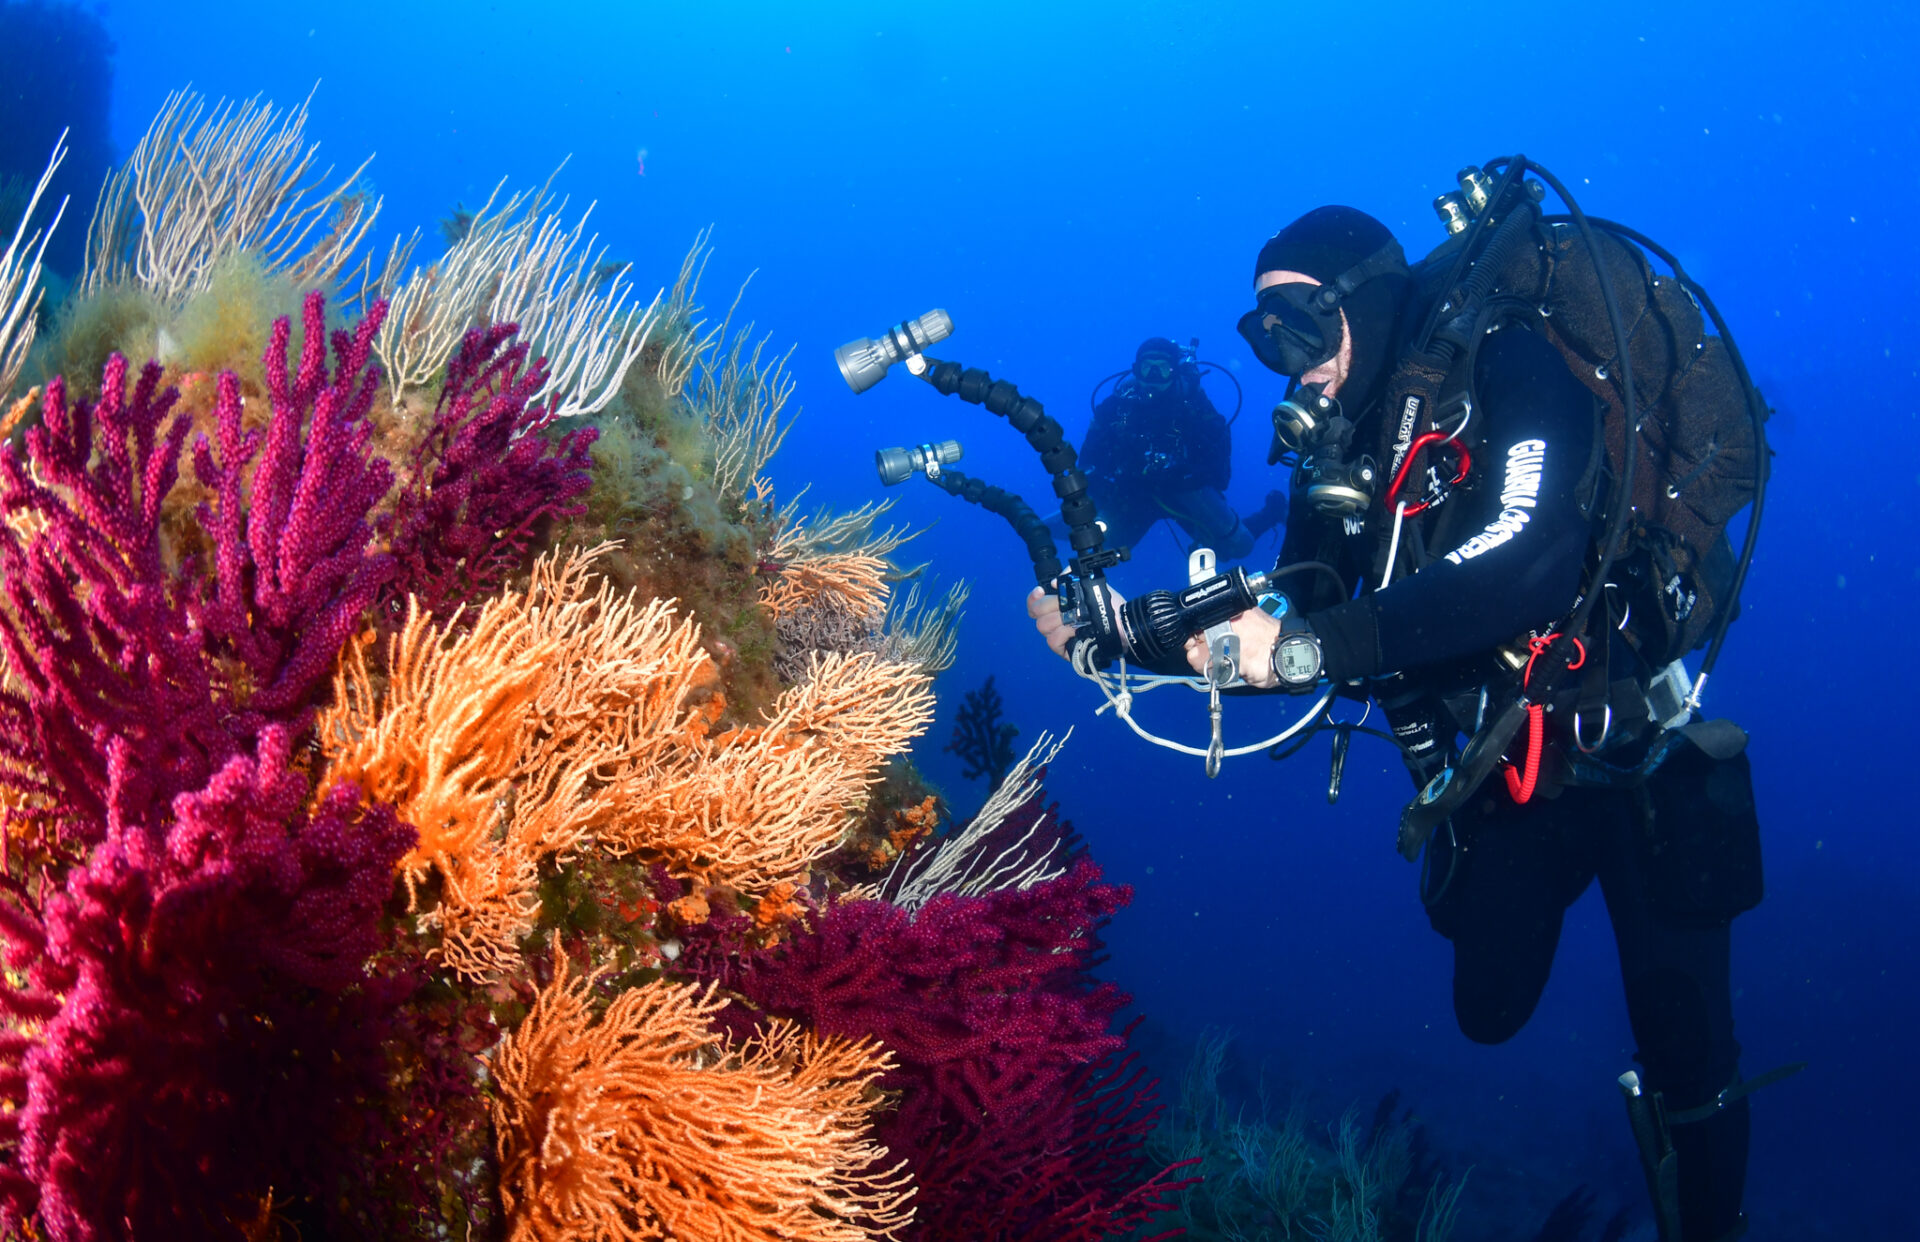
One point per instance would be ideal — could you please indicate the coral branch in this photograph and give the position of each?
(859, 582)
(20, 288)
(526, 268)
(645, 1125)
(104, 640)
(486, 479)
(927, 634)
(998, 847)
(199, 978)
(514, 741)
(195, 193)
(1016, 1116)
(97, 643)
(293, 573)
(981, 737)
(738, 400)
(755, 807)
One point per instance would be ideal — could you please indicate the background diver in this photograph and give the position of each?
(1675, 850)
(1158, 449)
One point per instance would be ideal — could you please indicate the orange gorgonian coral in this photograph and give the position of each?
(754, 807)
(513, 742)
(860, 707)
(645, 1125)
(17, 413)
(561, 719)
(858, 579)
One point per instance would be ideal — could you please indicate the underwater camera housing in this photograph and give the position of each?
(864, 363)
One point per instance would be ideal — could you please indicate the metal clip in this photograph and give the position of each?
(1337, 769)
(1216, 747)
(1606, 727)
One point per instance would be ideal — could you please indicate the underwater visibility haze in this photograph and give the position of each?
(448, 794)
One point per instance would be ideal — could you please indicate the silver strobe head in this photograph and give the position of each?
(864, 363)
(897, 465)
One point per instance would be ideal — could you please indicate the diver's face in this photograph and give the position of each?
(1154, 374)
(1333, 372)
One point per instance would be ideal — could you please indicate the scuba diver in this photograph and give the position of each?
(1613, 781)
(1157, 448)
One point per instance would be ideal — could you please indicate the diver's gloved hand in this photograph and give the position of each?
(1044, 607)
(1257, 632)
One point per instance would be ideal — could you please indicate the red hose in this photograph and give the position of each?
(1520, 785)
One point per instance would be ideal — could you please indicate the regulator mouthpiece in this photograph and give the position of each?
(864, 363)
(897, 465)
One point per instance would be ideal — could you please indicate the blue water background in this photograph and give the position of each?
(1069, 178)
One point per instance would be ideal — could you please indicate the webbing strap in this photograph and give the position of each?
(1738, 1091)
(1389, 258)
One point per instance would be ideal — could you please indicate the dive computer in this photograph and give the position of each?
(1296, 654)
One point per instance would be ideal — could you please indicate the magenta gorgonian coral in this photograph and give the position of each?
(186, 1039)
(1020, 1116)
(95, 638)
(106, 640)
(486, 479)
(292, 573)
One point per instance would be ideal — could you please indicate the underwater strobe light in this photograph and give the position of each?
(864, 363)
(897, 465)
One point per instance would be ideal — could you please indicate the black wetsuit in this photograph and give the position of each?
(1506, 562)
(1150, 456)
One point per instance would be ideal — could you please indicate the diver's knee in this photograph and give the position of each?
(1491, 1024)
(1491, 1005)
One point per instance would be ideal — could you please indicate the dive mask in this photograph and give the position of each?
(1154, 369)
(1294, 327)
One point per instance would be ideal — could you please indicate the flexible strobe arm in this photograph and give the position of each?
(1047, 437)
(1019, 514)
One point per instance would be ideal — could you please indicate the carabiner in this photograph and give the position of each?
(1337, 769)
(1464, 463)
(1216, 745)
(1606, 727)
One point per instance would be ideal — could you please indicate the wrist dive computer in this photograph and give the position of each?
(1297, 658)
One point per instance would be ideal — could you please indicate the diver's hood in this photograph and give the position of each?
(1377, 323)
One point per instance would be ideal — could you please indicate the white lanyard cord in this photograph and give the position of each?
(1122, 705)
